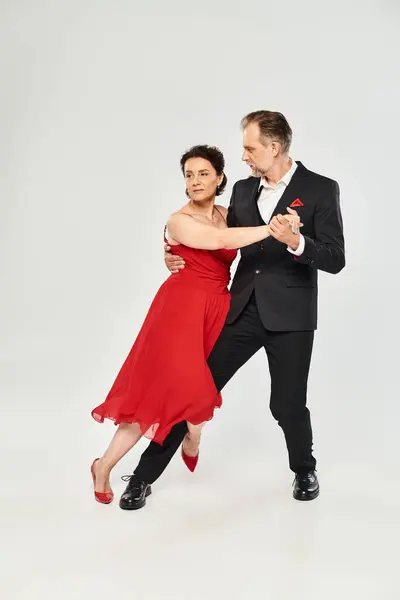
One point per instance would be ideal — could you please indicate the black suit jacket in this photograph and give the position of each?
(286, 286)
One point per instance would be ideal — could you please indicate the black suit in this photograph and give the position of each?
(286, 289)
(274, 305)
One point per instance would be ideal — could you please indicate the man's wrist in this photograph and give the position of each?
(297, 248)
(295, 243)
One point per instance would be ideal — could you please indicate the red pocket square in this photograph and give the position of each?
(296, 202)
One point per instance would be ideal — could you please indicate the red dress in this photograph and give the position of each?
(165, 379)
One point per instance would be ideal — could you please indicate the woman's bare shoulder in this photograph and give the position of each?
(177, 214)
(184, 210)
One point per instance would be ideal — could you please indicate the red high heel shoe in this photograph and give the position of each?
(102, 497)
(190, 461)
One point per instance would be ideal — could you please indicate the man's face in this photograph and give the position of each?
(258, 155)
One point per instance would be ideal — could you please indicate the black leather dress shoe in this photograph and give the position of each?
(306, 486)
(135, 493)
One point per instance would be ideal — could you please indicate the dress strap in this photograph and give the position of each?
(218, 211)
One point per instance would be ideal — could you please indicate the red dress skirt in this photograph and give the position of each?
(165, 379)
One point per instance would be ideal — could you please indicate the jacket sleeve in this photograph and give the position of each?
(231, 218)
(326, 251)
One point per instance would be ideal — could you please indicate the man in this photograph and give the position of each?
(273, 294)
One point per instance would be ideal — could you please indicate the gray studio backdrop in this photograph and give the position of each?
(99, 100)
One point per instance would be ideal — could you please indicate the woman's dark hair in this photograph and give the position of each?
(214, 156)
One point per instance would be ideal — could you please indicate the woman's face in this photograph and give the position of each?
(201, 179)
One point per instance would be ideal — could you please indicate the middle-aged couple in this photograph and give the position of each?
(287, 223)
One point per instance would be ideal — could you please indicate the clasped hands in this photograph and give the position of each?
(285, 228)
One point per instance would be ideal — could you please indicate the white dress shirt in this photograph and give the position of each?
(269, 198)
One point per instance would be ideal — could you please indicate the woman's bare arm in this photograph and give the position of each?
(189, 231)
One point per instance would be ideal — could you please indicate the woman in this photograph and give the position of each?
(165, 378)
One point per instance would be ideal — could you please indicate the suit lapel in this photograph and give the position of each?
(292, 191)
(251, 194)
(255, 194)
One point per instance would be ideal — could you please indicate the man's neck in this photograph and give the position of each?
(278, 170)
